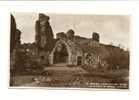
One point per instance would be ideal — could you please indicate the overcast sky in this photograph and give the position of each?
(112, 28)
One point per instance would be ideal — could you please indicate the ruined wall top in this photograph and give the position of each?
(95, 36)
(70, 34)
(61, 35)
(43, 17)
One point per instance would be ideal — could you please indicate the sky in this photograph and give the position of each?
(113, 29)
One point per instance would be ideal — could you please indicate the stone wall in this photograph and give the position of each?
(14, 35)
(14, 42)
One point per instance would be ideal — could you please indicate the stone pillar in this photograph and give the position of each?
(44, 33)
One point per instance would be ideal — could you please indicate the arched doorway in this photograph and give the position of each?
(60, 54)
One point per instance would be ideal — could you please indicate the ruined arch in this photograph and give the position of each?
(61, 53)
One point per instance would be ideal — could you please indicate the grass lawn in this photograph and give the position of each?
(77, 78)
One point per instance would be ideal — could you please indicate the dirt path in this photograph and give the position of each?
(77, 70)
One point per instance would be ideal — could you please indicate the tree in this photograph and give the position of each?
(118, 59)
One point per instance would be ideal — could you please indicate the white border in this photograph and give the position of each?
(80, 7)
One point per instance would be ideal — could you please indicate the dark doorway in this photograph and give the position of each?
(79, 60)
(61, 54)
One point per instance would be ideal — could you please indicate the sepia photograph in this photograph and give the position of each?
(69, 50)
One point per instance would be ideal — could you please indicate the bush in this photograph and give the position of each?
(25, 65)
(118, 60)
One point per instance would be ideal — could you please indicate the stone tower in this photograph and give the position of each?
(44, 34)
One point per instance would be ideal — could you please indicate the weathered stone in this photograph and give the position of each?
(70, 34)
(65, 51)
(95, 36)
(61, 35)
(18, 37)
(44, 33)
(12, 32)
(14, 44)
(15, 35)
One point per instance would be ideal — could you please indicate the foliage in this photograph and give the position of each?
(24, 64)
(118, 60)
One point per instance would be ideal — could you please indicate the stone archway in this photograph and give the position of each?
(61, 54)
